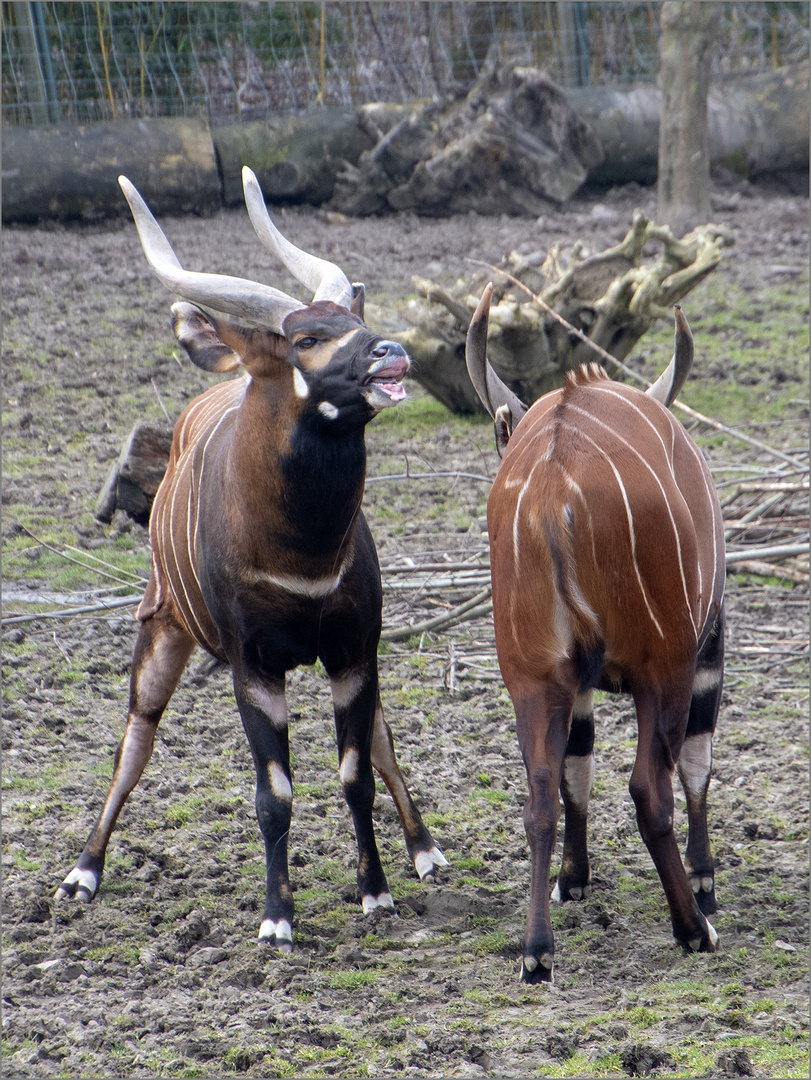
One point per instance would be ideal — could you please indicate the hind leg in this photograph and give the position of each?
(575, 787)
(424, 853)
(161, 652)
(695, 764)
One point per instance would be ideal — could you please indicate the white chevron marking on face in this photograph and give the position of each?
(300, 386)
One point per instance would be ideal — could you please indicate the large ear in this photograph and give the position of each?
(667, 387)
(198, 335)
(358, 298)
(504, 406)
(217, 344)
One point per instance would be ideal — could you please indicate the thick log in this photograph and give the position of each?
(758, 125)
(296, 158)
(72, 171)
(135, 475)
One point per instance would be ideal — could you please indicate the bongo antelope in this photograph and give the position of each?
(607, 564)
(261, 554)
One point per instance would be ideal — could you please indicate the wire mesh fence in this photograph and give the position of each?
(106, 61)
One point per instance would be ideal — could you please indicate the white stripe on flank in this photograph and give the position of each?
(709, 490)
(650, 469)
(521, 495)
(607, 388)
(632, 535)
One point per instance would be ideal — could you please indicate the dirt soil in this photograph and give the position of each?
(162, 974)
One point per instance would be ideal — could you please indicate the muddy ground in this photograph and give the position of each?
(162, 974)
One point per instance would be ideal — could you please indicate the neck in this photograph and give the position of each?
(323, 478)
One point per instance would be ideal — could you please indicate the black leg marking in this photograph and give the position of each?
(576, 783)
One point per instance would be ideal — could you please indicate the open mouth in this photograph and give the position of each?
(387, 375)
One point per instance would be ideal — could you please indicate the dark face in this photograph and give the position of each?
(347, 373)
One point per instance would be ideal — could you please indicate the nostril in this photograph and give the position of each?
(380, 351)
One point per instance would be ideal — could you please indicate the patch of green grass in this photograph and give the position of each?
(352, 980)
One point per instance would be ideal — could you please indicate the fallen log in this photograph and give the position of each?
(296, 158)
(72, 171)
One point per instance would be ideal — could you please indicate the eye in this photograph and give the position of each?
(306, 343)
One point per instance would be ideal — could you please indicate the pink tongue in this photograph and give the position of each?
(396, 391)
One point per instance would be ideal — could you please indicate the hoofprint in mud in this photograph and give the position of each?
(161, 975)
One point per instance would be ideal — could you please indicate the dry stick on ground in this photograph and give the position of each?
(717, 425)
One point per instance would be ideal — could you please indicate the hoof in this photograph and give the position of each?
(704, 891)
(278, 935)
(372, 903)
(562, 893)
(537, 969)
(704, 944)
(426, 863)
(78, 885)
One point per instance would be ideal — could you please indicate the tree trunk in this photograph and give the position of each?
(688, 32)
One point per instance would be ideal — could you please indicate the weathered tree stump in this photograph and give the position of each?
(135, 475)
(512, 145)
(613, 297)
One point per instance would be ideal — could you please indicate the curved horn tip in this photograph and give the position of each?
(680, 319)
(249, 177)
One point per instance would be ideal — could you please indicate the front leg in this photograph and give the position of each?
(425, 854)
(263, 708)
(355, 694)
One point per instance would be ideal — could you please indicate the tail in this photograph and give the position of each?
(587, 647)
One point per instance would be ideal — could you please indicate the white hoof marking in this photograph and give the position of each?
(695, 944)
(547, 960)
(556, 897)
(586, 892)
(280, 933)
(576, 893)
(82, 879)
(695, 885)
(706, 884)
(385, 900)
(426, 861)
(713, 933)
(530, 963)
